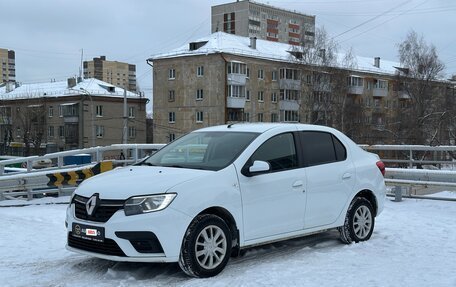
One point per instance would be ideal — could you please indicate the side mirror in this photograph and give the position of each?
(258, 167)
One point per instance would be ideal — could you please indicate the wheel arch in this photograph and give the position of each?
(369, 195)
(229, 219)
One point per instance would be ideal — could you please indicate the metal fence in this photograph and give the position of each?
(408, 166)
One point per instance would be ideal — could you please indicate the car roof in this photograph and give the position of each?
(263, 127)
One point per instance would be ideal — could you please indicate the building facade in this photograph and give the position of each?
(251, 19)
(8, 66)
(222, 79)
(116, 73)
(73, 114)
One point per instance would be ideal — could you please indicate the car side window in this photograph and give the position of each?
(321, 148)
(279, 151)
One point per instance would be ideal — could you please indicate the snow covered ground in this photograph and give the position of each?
(414, 244)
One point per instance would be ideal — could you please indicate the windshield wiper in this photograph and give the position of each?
(145, 163)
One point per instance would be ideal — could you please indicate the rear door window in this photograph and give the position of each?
(321, 148)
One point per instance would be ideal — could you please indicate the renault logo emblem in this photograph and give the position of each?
(92, 204)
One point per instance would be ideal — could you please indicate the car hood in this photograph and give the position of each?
(122, 183)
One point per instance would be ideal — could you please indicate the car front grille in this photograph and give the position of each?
(102, 214)
(108, 247)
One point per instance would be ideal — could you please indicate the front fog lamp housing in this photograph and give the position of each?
(150, 203)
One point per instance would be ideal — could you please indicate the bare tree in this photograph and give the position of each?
(32, 124)
(420, 115)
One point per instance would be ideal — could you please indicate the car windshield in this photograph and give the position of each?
(202, 150)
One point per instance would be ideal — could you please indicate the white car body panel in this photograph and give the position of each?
(265, 208)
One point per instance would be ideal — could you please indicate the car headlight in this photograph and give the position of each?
(148, 203)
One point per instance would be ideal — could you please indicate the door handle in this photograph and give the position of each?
(298, 183)
(347, 175)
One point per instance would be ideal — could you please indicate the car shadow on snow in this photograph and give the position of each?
(168, 273)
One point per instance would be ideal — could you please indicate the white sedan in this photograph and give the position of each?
(217, 190)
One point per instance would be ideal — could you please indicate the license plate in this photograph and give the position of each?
(87, 232)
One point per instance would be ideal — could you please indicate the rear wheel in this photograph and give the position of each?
(359, 221)
(206, 247)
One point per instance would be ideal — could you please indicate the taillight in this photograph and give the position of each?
(381, 167)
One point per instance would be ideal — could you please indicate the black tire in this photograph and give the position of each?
(359, 221)
(205, 256)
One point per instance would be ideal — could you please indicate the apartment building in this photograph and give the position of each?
(251, 19)
(64, 115)
(116, 73)
(224, 78)
(8, 66)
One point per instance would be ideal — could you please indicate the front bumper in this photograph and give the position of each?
(167, 225)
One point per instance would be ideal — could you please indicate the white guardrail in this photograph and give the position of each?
(29, 182)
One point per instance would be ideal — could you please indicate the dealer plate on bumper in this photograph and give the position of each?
(87, 232)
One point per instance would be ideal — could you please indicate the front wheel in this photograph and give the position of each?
(359, 221)
(206, 247)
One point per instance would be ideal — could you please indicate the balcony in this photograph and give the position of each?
(236, 79)
(356, 90)
(290, 84)
(380, 92)
(289, 105)
(235, 103)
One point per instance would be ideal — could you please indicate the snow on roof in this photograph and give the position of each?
(92, 86)
(220, 42)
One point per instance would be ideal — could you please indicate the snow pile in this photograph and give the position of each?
(413, 245)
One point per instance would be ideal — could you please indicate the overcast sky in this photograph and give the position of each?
(48, 35)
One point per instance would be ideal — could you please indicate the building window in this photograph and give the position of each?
(131, 112)
(171, 96)
(289, 74)
(289, 116)
(131, 132)
(246, 117)
(199, 94)
(355, 81)
(60, 111)
(247, 95)
(200, 71)
(261, 96)
(172, 74)
(199, 117)
(171, 117)
(260, 74)
(289, 95)
(61, 131)
(274, 97)
(274, 117)
(172, 137)
(236, 91)
(237, 68)
(248, 73)
(51, 131)
(260, 117)
(274, 75)
(380, 84)
(99, 131)
(51, 111)
(99, 111)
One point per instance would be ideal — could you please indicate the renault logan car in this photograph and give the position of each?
(217, 190)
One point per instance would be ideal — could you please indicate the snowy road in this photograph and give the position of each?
(414, 244)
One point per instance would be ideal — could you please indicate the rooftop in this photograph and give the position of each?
(220, 42)
(91, 86)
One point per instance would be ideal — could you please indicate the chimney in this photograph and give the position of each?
(453, 78)
(253, 42)
(103, 58)
(377, 62)
(79, 79)
(71, 82)
(10, 86)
